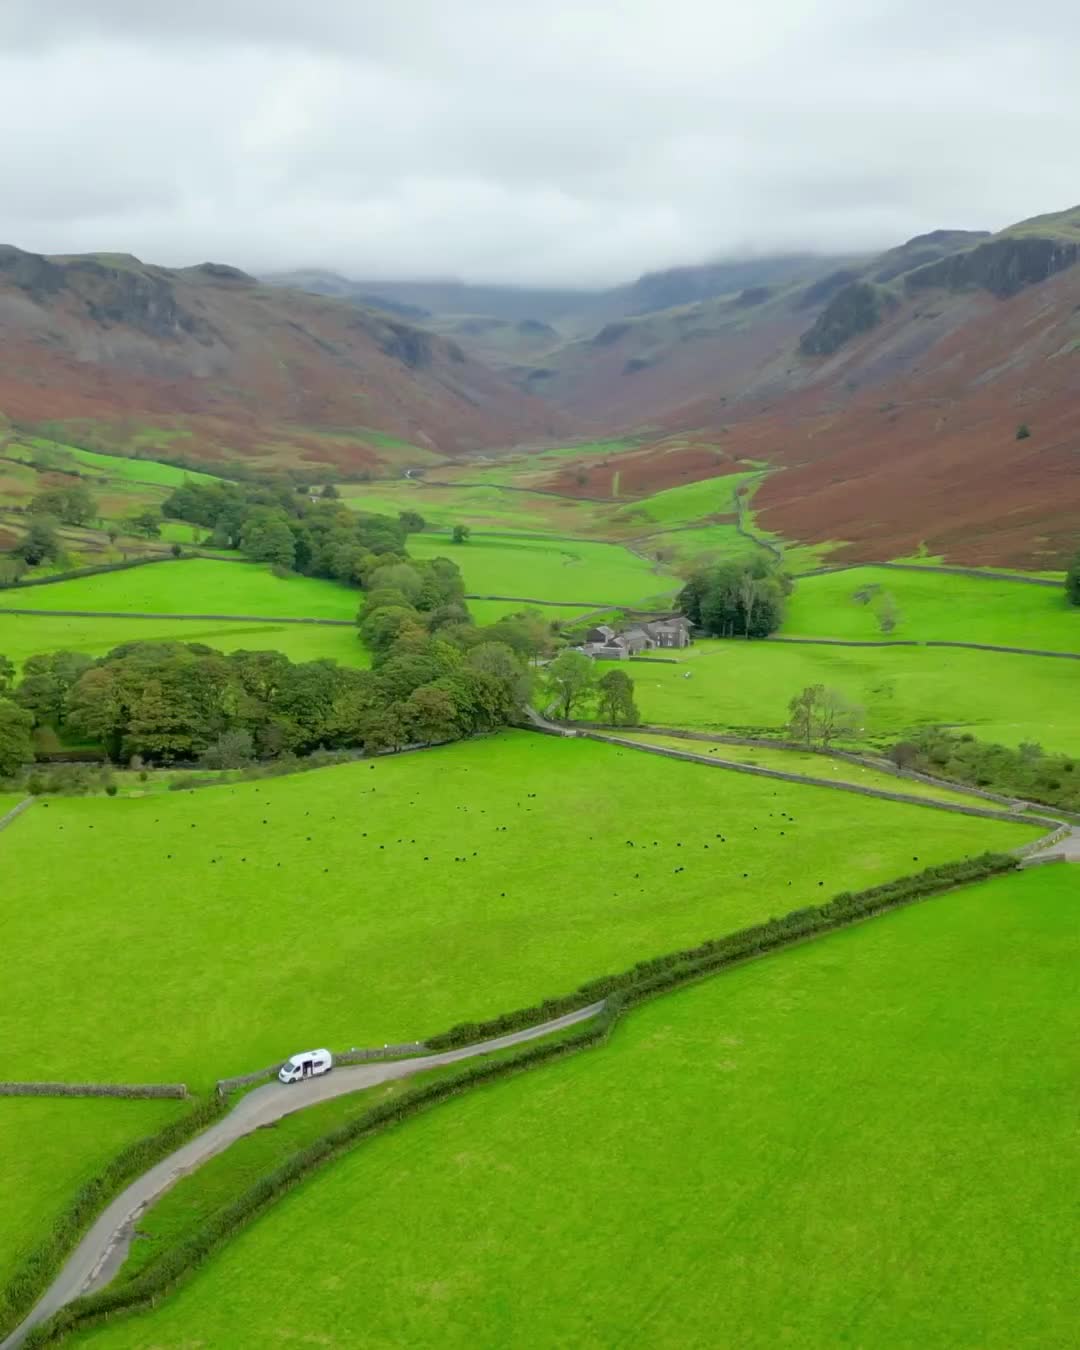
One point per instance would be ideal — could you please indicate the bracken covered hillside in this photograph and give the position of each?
(206, 363)
(905, 428)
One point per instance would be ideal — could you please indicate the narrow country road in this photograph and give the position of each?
(101, 1252)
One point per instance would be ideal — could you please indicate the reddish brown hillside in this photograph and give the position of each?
(230, 369)
(908, 433)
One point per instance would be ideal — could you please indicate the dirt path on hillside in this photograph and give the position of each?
(101, 1252)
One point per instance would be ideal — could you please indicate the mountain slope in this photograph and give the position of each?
(905, 430)
(212, 365)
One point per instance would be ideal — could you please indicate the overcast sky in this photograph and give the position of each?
(527, 140)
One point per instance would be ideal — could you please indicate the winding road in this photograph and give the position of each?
(102, 1250)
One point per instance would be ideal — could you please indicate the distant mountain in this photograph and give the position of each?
(679, 286)
(896, 412)
(207, 363)
(444, 298)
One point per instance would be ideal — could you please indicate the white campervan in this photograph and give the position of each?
(307, 1064)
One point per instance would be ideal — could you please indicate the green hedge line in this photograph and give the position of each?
(75, 572)
(37, 1271)
(620, 992)
(174, 1265)
(793, 927)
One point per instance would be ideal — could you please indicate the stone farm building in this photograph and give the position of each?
(605, 644)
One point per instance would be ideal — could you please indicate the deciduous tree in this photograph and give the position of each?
(616, 697)
(41, 543)
(571, 679)
(820, 715)
(147, 524)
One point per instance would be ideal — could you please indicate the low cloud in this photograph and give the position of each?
(565, 143)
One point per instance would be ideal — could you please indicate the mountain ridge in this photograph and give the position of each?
(228, 368)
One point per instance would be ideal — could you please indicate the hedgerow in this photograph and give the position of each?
(174, 1265)
(36, 1272)
(75, 572)
(618, 992)
(711, 955)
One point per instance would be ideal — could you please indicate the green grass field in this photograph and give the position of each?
(806, 762)
(58, 457)
(935, 607)
(483, 506)
(49, 1146)
(539, 569)
(998, 697)
(690, 502)
(867, 1140)
(24, 635)
(195, 586)
(240, 922)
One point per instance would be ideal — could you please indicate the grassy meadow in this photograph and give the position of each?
(25, 635)
(867, 1140)
(934, 607)
(483, 506)
(547, 569)
(195, 586)
(720, 685)
(689, 502)
(50, 1146)
(354, 906)
(56, 457)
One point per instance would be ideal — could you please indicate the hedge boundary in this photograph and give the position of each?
(617, 992)
(74, 573)
(845, 908)
(882, 794)
(37, 1271)
(174, 1266)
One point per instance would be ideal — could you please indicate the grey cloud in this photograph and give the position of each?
(530, 140)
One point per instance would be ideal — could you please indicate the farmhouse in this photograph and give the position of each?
(604, 643)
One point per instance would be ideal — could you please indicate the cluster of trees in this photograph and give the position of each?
(574, 686)
(74, 504)
(175, 701)
(285, 527)
(435, 676)
(1026, 773)
(736, 599)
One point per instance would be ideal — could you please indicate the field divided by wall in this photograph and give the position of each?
(352, 907)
